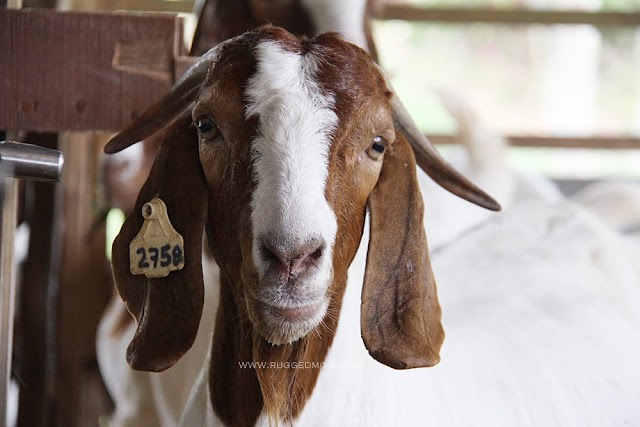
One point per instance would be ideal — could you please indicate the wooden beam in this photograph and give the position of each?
(598, 142)
(81, 71)
(413, 13)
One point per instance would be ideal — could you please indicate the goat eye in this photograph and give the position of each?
(377, 147)
(207, 129)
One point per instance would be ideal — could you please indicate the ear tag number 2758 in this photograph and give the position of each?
(158, 248)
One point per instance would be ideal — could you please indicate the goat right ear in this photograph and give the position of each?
(167, 309)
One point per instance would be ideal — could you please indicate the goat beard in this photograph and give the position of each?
(287, 373)
(277, 383)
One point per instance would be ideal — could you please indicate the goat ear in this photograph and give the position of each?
(400, 313)
(167, 309)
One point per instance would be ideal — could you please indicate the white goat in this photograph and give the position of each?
(617, 203)
(292, 140)
(540, 309)
(481, 158)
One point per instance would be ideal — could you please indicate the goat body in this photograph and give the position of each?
(482, 158)
(617, 203)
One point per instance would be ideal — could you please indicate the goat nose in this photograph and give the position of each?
(292, 260)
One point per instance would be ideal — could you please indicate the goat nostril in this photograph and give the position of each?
(317, 254)
(307, 257)
(269, 254)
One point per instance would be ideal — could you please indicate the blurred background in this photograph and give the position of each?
(542, 86)
(567, 83)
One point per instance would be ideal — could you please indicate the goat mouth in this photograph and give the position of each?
(295, 314)
(284, 325)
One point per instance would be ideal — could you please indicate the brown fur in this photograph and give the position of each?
(238, 395)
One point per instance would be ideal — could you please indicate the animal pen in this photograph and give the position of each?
(86, 74)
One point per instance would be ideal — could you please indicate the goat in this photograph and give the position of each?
(618, 203)
(482, 158)
(141, 399)
(539, 305)
(322, 137)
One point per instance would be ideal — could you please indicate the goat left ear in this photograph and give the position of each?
(167, 309)
(400, 313)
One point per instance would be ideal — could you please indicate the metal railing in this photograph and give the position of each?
(25, 161)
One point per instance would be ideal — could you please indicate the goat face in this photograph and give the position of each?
(294, 140)
(292, 166)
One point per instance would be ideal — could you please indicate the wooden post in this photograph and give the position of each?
(82, 294)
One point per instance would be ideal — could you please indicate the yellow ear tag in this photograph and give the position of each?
(158, 249)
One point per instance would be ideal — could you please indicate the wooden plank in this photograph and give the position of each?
(69, 70)
(598, 142)
(409, 12)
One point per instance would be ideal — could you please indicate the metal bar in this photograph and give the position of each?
(37, 303)
(7, 288)
(598, 142)
(504, 16)
(31, 162)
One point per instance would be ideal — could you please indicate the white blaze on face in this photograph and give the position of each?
(290, 152)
